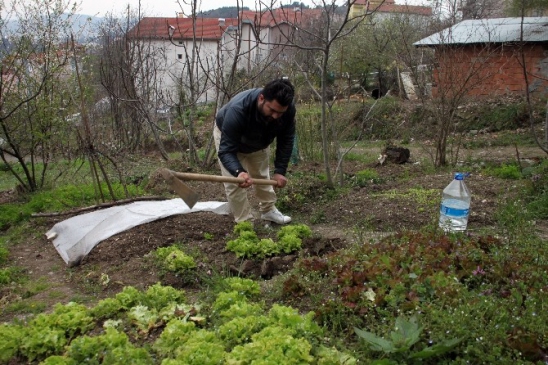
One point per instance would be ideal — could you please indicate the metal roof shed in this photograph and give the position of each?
(499, 30)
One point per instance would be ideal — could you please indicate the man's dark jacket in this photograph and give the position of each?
(244, 130)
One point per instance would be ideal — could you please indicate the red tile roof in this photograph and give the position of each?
(389, 6)
(158, 28)
(404, 9)
(210, 28)
(277, 16)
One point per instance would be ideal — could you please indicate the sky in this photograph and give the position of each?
(164, 8)
(160, 8)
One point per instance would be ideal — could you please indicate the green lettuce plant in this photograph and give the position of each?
(10, 340)
(177, 331)
(247, 287)
(273, 345)
(235, 330)
(112, 347)
(248, 244)
(174, 259)
(202, 348)
(399, 348)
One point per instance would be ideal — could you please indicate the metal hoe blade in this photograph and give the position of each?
(189, 196)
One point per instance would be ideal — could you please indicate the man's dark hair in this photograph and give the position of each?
(280, 90)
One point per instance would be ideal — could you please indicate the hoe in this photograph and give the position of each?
(190, 197)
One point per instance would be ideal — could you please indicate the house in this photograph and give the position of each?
(386, 8)
(277, 28)
(194, 52)
(483, 57)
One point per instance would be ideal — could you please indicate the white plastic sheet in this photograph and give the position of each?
(75, 237)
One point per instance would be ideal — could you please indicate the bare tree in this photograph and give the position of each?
(234, 64)
(33, 69)
(522, 8)
(196, 71)
(482, 9)
(188, 62)
(315, 37)
(531, 74)
(460, 66)
(130, 74)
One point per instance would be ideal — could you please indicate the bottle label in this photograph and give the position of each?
(454, 212)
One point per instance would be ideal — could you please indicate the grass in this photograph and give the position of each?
(24, 289)
(8, 181)
(26, 307)
(423, 197)
(56, 200)
(504, 138)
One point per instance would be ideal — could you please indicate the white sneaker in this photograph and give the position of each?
(275, 216)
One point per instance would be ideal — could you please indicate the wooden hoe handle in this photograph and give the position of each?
(224, 179)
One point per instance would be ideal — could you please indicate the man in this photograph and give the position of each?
(244, 129)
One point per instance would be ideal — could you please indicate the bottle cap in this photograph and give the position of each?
(461, 175)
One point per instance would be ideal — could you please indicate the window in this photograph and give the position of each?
(180, 56)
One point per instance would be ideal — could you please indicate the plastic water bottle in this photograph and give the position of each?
(455, 205)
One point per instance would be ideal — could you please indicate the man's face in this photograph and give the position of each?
(270, 110)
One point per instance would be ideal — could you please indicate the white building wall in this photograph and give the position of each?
(247, 53)
(175, 69)
(189, 64)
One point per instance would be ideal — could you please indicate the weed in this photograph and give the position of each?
(367, 176)
(358, 157)
(318, 217)
(498, 116)
(537, 192)
(539, 206)
(506, 171)
(56, 294)
(7, 276)
(34, 287)
(515, 221)
(3, 254)
(365, 230)
(403, 338)
(288, 199)
(309, 135)
(26, 306)
(426, 198)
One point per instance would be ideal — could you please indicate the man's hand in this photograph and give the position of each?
(280, 179)
(248, 181)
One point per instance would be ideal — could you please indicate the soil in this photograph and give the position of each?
(356, 215)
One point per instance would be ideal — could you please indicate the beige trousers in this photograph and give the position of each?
(257, 166)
